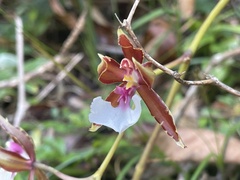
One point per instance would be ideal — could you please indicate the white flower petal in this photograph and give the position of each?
(102, 112)
(5, 175)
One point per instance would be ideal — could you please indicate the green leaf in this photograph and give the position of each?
(7, 60)
(148, 17)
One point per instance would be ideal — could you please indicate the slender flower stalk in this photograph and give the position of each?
(98, 174)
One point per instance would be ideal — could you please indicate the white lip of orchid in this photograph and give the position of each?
(6, 175)
(117, 118)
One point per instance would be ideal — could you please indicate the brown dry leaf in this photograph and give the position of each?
(200, 143)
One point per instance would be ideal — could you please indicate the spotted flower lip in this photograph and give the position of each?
(137, 76)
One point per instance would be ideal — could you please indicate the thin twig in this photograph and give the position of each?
(74, 33)
(61, 75)
(184, 58)
(40, 71)
(59, 58)
(58, 173)
(210, 80)
(132, 12)
(127, 27)
(22, 103)
(215, 61)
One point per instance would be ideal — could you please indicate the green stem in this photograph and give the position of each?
(175, 86)
(194, 45)
(198, 37)
(58, 173)
(148, 148)
(98, 174)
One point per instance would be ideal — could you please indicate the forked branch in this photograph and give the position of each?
(209, 79)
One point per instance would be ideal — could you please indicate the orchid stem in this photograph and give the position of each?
(175, 86)
(58, 173)
(198, 37)
(98, 174)
(148, 148)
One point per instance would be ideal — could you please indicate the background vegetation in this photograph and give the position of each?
(209, 124)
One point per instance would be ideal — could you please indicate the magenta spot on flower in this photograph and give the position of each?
(17, 148)
(125, 96)
(14, 147)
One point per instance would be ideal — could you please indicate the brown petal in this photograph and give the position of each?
(109, 70)
(128, 50)
(160, 112)
(19, 136)
(146, 73)
(113, 97)
(13, 162)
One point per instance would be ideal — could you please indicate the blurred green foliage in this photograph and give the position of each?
(65, 120)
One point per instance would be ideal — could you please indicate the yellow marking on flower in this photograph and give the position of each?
(131, 80)
(94, 127)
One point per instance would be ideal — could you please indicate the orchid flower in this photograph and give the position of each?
(15, 148)
(134, 76)
(19, 155)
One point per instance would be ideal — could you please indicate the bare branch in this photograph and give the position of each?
(225, 87)
(74, 33)
(59, 77)
(22, 103)
(59, 58)
(134, 7)
(209, 79)
(58, 173)
(126, 25)
(215, 61)
(41, 70)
